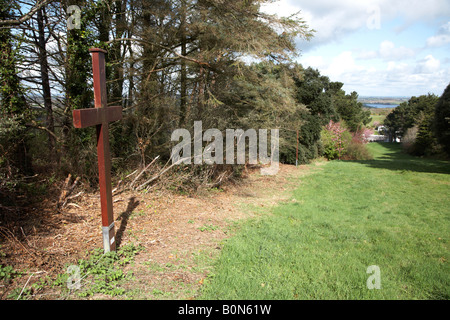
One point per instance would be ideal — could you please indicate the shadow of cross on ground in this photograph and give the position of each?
(124, 217)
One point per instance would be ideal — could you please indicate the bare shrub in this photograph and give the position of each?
(409, 139)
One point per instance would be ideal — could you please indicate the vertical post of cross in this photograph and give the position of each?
(100, 116)
(104, 157)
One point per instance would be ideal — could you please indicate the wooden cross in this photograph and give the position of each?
(100, 116)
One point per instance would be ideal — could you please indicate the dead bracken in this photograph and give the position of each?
(176, 256)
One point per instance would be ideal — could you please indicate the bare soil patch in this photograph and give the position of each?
(180, 234)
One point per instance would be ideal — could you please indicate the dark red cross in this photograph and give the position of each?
(100, 116)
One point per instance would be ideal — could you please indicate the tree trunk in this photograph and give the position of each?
(183, 78)
(46, 86)
(117, 74)
(78, 92)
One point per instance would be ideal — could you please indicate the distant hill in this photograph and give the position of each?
(383, 100)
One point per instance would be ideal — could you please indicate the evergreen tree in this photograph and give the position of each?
(14, 112)
(418, 111)
(442, 120)
(313, 91)
(348, 107)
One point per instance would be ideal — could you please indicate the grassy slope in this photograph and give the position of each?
(377, 118)
(392, 212)
(378, 114)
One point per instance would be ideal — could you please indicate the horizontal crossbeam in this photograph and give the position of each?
(83, 118)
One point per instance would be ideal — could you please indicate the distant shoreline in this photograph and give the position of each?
(386, 101)
(380, 105)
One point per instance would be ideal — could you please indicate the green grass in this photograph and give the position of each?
(378, 118)
(392, 212)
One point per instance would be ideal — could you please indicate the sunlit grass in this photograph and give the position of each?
(392, 212)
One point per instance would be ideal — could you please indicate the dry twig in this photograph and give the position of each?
(18, 298)
(8, 234)
(159, 174)
(140, 174)
(67, 191)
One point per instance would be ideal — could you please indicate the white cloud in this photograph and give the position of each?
(445, 28)
(441, 38)
(390, 69)
(281, 8)
(388, 52)
(438, 40)
(342, 65)
(397, 68)
(367, 55)
(316, 62)
(333, 19)
(428, 65)
(414, 77)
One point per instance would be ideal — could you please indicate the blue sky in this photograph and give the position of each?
(376, 47)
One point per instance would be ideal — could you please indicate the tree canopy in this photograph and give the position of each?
(418, 112)
(169, 63)
(442, 120)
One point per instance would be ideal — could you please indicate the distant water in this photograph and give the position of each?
(379, 105)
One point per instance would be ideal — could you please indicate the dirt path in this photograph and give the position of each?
(180, 235)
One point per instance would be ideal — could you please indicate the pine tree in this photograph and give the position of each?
(442, 120)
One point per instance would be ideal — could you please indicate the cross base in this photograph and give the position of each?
(109, 241)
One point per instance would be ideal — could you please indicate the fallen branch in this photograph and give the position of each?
(70, 198)
(140, 174)
(74, 205)
(67, 191)
(35, 125)
(116, 188)
(26, 239)
(8, 234)
(220, 180)
(24, 286)
(75, 196)
(131, 174)
(158, 175)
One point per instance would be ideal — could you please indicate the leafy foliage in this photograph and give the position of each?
(102, 273)
(335, 140)
(349, 109)
(13, 109)
(442, 120)
(339, 143)
(419, 112)
(169, 63)
(8, 272)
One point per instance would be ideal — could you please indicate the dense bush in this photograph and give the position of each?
(356, 150)
(339, 143)
(335, 140)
